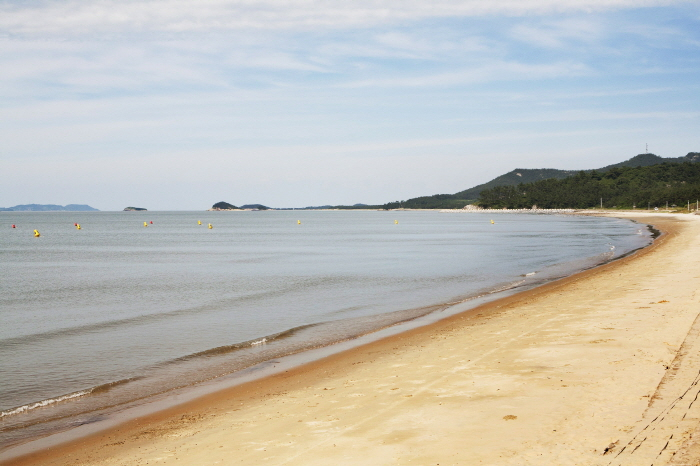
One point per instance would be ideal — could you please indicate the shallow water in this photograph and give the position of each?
(116, 311)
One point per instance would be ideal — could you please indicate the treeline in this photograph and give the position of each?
(438, 201)
(623, 187)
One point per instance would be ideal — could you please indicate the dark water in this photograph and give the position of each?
(116, 311)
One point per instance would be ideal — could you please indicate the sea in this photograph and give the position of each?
(138, 305)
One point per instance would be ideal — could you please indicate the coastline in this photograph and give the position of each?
(359, 410)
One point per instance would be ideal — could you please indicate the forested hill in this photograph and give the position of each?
(526, 175)
(644, 160)
(517, 176)
(622, 187)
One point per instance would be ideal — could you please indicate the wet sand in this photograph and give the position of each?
(599, 368)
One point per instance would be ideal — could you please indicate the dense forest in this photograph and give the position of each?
(621, 187)
(438, 201)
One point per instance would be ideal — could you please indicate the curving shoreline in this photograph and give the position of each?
(425, 391)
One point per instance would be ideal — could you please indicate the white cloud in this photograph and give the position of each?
(659, 36)
(488, 72)
(559, 34)
(103, 17)
(96, 66)
(406, 44)
(585, 115)
(423, 45)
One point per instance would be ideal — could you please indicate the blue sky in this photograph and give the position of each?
(176, 105)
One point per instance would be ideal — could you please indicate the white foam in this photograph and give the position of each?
(41, 404)
(507, 287)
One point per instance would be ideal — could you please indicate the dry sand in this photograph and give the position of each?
(598, 369)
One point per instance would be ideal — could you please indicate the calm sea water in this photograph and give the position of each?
(116, 312)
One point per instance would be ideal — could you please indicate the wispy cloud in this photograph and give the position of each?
(490, 72)
(561, 33)
(101, 17)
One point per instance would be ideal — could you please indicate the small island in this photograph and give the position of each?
(255, 207)
(226, 206)
(223, 206)
(133, 209)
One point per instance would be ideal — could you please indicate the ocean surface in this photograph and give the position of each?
(97, 318)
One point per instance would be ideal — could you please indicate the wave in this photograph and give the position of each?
(69, 396)
(32, 339)
(96, 327)
(219, 350)
(108, 386)
(506, 287)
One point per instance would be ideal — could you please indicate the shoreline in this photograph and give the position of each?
(60, 427)
(202, 410)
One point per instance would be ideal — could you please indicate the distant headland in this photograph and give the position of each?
(49, 208)
(133, 209)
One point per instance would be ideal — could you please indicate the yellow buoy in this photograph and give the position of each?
(36, 233)
(298, 222)
(145, 224)
(492, 222)
(396, 222)
(210, 227)
(199, 222)
(77, 227)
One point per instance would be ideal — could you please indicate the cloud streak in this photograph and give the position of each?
(495, 71)
(101, 17)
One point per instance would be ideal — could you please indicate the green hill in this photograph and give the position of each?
(223, 206)
(526, 175)
(621, 187)
(517, 176)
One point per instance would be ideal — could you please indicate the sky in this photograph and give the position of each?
(176, 105)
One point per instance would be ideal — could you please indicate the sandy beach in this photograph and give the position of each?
(601, 368)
